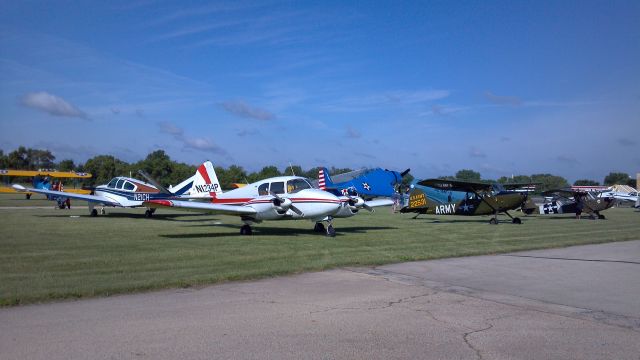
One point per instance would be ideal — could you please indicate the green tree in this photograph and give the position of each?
(18, 159)
(234, 174)
(549, 182)
(586, 182)
(104, 168)
(158, 165)
(616, 178)
(517, 179)
(66, 165)
(4, 160)
(468, 175)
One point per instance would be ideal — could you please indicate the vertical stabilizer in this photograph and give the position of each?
(205, 181)
(324, 180)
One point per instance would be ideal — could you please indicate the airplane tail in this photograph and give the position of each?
(205, 181)
(324, 180)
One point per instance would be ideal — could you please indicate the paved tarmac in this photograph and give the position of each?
(573, 303)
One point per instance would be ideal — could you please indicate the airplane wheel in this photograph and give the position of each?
(331, 232)
(601, 217)
(493, 221)
(245, 230)
(148, 213)
(94, 213)
(516, 221)
(319, 227)
(102, 211)
(28, 196)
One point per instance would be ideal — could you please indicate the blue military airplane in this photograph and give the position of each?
(366, 183)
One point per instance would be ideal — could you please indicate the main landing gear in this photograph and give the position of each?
(329, 230)
(149, 212)
(245, 229)
(514, 220)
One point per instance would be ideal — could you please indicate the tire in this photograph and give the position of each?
(245, 230)
(319, 227)
(516, 221)
(331, 232)
(493, 221)
(94, 213)
(148, 213)
(601, 217)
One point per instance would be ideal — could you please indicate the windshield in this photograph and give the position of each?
(296, 185)
(112, 183)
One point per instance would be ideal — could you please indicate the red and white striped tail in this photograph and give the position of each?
(321, 183)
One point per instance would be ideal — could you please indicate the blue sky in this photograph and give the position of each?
(501, 87)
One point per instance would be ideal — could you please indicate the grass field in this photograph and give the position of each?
(48, 254)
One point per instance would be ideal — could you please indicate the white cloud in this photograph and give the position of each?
(51, 104)
(195, 143)
(241, 109)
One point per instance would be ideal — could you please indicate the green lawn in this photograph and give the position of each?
(48, 254)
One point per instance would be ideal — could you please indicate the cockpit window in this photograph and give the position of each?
(277, 187)
(119, 184)
(112, 183)
(263, 189)
(129, 186)
(296, 185)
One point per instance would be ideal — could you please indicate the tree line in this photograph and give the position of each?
(169, 172)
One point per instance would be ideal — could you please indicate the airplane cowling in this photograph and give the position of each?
(282, 204)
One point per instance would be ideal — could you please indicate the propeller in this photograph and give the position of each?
(285, 204)
(402, 174)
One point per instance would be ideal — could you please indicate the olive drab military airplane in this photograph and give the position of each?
(367, 183)
(575, 202)
(277, 198)
(128, 192)
(479, 199)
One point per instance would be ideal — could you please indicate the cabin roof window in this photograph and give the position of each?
(112, 183)
(277, 187)
(129, 186)
(119, 184)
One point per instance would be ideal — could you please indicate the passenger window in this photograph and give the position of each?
(263, 189)
(277, 187)
(112, 183)
(129, 186)
(119, 184)
(296, 185)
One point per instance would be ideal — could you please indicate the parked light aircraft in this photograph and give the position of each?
(367, 183)
(479, 199)
(127, 192)
(576, 201)
(41, 179)
(277, 198)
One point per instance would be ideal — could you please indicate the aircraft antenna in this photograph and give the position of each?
(291, 166)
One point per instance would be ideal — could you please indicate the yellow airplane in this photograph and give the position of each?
(40, 179)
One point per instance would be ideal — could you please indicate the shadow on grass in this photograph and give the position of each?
(276, 231)
(168, 217)
(467, 221)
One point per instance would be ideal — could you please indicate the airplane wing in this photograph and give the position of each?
(70, 195)
(514, 186)
(562, 192)
(202, 207)
(455, 185)
(379, 202)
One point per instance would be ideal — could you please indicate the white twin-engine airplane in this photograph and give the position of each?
(278, 198)
(127, 192)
